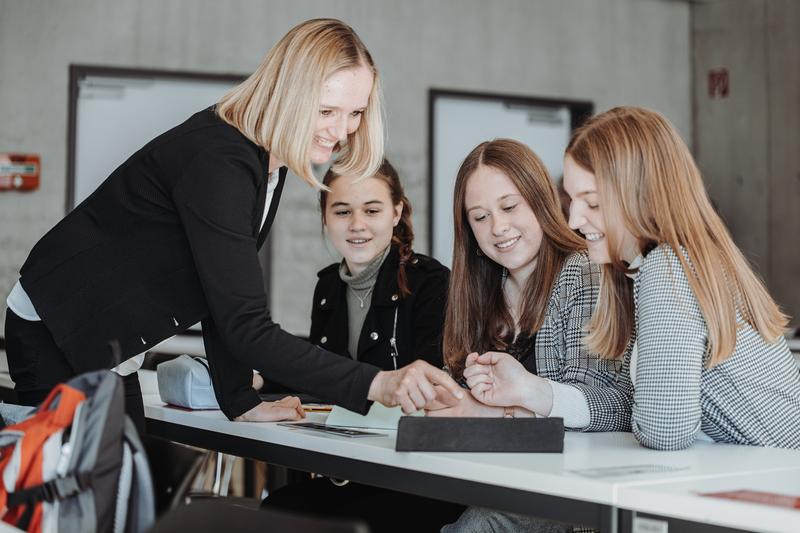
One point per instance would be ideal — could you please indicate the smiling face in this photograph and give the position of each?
(360, 219)
(343, 99)
(502, 222)
(586, 215)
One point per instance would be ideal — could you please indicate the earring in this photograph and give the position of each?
(478, 252)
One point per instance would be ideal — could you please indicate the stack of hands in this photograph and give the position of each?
(498, 385)
(497, 382)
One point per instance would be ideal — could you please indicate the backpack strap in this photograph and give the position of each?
(56, 489)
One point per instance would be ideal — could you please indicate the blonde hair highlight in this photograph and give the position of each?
(276, 106)
(649, 184)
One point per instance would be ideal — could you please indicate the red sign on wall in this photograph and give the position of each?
(718, 83)
(19, 172)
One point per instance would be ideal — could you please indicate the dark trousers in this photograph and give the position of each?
(384, 510)
(37, 364)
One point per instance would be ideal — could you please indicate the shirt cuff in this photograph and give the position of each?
(570, 404)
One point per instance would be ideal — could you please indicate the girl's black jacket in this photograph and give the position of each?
(420, 315)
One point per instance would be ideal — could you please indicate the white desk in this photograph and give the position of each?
(596, 474)
(682, 500)
(532, 483)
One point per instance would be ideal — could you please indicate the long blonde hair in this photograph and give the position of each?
(277, 105)
(477, 317)
(649, 184)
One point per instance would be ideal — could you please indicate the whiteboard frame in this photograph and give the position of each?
(580, 111)
(78, 73)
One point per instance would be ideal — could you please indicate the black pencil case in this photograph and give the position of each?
(461, 434)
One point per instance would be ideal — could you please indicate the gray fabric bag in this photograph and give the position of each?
(186, 382)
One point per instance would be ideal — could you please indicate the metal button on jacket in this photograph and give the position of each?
(394, 297)
(322, 302)
(323, 340)
(373, 335)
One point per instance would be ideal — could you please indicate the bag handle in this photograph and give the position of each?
(68, 400)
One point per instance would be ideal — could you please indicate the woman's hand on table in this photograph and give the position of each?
(288, 408)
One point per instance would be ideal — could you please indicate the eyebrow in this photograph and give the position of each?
(499, 199)
(345, 204)
(584, 193)
(337, 107)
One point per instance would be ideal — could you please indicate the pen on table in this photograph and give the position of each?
(316, 408)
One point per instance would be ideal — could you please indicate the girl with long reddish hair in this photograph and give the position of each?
(521, 292)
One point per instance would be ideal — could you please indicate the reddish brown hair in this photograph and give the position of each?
(477, 317)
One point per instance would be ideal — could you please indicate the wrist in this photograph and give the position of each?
(247, 416)
(537, 395)
(376, 386)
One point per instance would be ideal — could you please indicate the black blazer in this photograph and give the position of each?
(420, 315)
(169, 239)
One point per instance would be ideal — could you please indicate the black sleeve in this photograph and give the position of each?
(428, 317)
(216, 199)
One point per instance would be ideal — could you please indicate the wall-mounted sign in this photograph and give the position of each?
(719, 82)
(19, 172)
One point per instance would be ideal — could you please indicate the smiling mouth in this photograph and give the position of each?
(593, 237)
(507, 244)
(324, 142)
(358, 242)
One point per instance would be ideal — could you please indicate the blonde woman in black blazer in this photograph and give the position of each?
(171, 238)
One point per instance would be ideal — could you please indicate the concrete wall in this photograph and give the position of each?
(748, 144)
(611, 52)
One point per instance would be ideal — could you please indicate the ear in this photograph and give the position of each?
(398, 211)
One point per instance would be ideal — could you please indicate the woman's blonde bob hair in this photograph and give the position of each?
(277, 106)
(649, 184)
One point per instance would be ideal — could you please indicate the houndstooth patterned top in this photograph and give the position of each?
(562, 357)
(753, 397)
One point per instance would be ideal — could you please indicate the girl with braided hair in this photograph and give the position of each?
(383, 303)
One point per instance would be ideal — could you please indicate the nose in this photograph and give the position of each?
(356, 222)
(500, 224)
(339, 127)
(576, 217)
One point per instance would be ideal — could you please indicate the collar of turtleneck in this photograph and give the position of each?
(367, 277)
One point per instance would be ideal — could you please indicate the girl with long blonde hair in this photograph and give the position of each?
(701, 338)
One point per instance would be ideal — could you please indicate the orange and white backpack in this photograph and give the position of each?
(76, 462)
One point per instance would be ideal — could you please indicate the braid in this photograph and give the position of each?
(403, 238)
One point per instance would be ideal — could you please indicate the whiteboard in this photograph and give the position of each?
(114, 112)
(460, 121)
